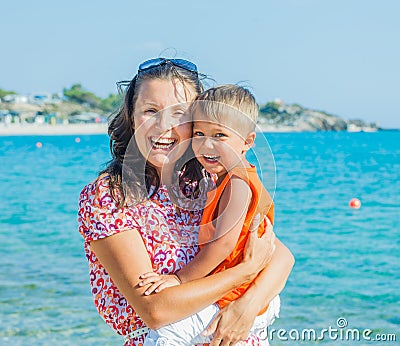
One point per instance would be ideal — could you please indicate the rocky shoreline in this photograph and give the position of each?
(281, 117)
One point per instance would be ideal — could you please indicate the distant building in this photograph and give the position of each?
(35, 98)
(39, 98)
(45, 118)
(8, 117)
(85, 117)
(279, 101)
(15, 98)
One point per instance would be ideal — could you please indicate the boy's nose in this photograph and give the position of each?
(208, 142)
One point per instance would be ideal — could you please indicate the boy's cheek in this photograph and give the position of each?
(195, 146)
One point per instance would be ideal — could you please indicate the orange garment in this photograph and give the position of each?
(261, 203)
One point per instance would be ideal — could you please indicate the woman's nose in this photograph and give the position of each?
(165, 121)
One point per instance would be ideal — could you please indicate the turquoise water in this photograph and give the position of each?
(347, 261)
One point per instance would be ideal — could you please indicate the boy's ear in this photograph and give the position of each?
(249, 141)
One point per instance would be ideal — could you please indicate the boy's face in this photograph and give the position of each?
(217, 147)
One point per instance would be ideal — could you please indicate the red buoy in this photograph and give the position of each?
(355, 203)
(39, 145)
(77, 140)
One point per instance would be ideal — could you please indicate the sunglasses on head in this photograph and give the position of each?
(149, 64)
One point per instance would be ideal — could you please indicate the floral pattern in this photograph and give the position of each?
(169, 234)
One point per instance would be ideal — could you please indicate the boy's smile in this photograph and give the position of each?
(211, 158)
(217, 147)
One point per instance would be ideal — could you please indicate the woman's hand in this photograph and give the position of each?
(158, 282)
(259, 251)
(232, 324)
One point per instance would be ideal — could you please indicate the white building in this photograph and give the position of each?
(15, 98)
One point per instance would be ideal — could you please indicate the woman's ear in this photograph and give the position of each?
(249, 141)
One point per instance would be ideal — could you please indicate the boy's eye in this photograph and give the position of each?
(219, 134)
(198, 133)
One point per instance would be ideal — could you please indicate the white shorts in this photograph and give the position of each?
(188, 331)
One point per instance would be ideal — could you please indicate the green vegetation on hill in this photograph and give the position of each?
(6, 92)
(79, 95)
(75, 104)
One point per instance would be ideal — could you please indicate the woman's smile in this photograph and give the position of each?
(162, 143)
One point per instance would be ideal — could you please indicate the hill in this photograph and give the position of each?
(77, 105)
(278, 116)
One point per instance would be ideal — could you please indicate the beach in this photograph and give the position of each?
(52, 130)
(94, 129)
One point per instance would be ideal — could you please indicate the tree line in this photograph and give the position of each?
(77, 94)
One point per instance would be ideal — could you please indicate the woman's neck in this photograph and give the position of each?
(166, 173)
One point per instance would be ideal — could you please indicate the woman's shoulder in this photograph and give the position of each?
(101, 182)
(99, 215)
(98, 192)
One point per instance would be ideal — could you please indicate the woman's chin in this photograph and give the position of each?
(159, 160)
(162, 160)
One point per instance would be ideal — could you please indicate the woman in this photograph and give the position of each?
(131, 226)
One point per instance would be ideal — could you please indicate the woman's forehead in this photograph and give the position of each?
(164, 93)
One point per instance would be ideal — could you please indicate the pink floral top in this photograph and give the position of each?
(170, 238)
(169, 234)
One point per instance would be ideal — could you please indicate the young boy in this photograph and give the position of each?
(224, 121)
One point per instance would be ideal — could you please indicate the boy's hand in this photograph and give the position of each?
(158, 282)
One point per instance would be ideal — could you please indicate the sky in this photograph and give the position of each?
(340, 56)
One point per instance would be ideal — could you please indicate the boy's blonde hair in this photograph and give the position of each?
(230, 105)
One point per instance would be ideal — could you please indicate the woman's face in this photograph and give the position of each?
(163, 127)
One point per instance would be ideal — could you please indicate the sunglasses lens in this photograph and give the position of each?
(187, 65)
(151, 63)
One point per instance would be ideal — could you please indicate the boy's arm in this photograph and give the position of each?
(232, 210)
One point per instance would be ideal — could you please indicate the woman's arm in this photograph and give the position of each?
(233, 323)
(125, 267)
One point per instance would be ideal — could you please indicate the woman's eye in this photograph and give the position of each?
(179, 113)
(150, 111)
(220, 135)
(198, 133)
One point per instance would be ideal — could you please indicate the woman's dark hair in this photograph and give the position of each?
(122, 171)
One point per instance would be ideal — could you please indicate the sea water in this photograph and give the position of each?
(347, 260)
